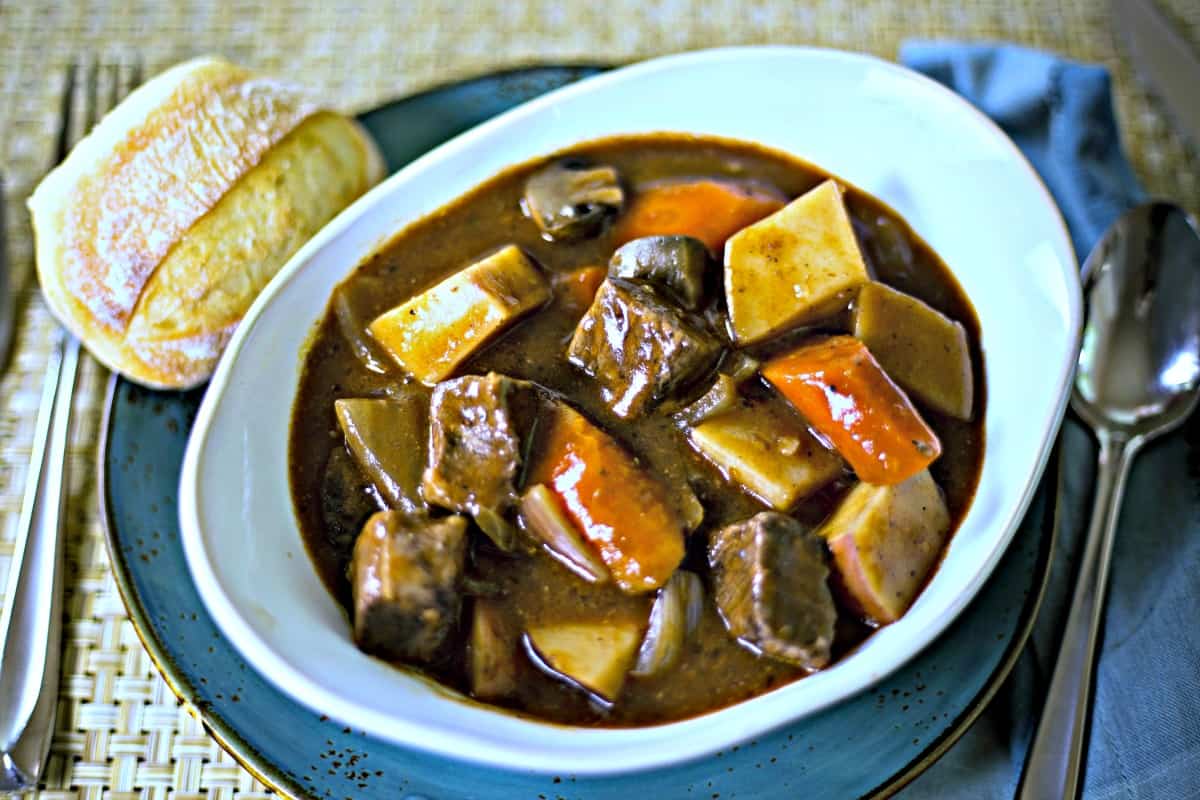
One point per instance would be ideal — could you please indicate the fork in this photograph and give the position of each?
(31, 621)
(8, 303)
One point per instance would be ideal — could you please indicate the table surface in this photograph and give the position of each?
(121, 734)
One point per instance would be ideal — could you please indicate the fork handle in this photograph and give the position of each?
(1055, 762)
(31, 621)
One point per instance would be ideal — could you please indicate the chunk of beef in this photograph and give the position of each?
(769, 578)
(639, 348)
(676, 264)
(405, 578)
(347, 499)
(479, 425)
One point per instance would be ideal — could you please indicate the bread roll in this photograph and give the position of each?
(161, 226)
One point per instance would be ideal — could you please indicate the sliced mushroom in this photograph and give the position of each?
(676, 264)
(571, 199)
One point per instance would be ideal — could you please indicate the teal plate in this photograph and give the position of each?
(868, 746)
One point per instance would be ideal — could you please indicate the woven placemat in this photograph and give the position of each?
(120, 732)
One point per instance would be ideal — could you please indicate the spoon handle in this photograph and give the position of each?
(1055, 760)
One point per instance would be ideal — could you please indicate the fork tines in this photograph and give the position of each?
(92, 89)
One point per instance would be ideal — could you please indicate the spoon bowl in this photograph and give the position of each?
(1139, 365)
(1138, 376)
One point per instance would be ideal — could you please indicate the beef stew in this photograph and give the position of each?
(623, 424)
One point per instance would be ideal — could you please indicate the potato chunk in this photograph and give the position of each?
(432, 333)
(595, 656)
(493, 653)
(923, 350)
(885, 540)
(795, 267)
(765, 447)
(387, 438)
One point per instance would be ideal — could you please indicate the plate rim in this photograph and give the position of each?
(174, 677)
(272, 776)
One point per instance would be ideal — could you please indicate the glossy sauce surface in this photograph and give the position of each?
(332, 497)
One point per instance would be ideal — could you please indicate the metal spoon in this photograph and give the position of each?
(1138, 377)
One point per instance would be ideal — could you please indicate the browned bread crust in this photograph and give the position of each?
(160, 227)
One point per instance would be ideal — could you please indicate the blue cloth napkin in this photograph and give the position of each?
(1145, 734)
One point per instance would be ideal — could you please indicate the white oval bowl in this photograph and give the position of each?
(956, 178)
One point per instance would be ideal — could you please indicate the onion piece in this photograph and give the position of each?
(693, 598)
(740, 366)
(543, 517)
(720, 397)
(354, 330)
(497, 528)
(675, 613)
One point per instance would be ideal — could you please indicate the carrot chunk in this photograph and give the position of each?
(846, 396)
(710, 211)
(577, 288)
(621, 509)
